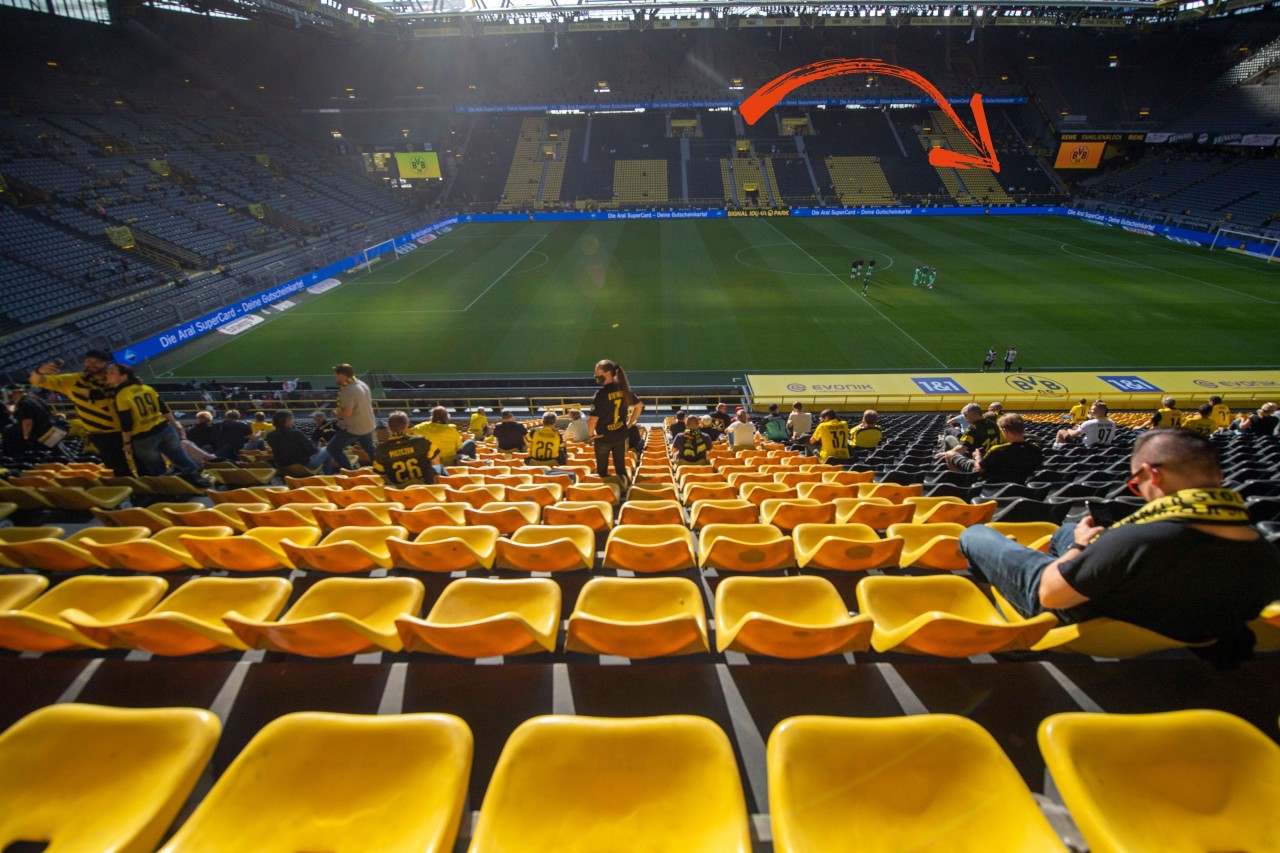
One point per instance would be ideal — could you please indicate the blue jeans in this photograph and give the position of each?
(1014, 569)
(150, 451)
(335, 458)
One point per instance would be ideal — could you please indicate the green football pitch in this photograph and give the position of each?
(709, 300)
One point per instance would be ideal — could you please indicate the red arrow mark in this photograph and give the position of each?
(768, 95)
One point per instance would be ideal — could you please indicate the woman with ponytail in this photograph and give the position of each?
(613, 411)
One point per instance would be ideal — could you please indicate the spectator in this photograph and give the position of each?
(1012, 461)
(479, 424)
(831, 435)
(1202, 422)
(719, 419)
(691, 446)
(545, 445)
(510, 433)
(258, 429)
(1187, 564)
(1165, 417)
(203, 433)
(613, 411)
(149, 429)
(1078, 412)
(1097, 431)
(444, 437)
(980, 434)
(1262, 423)
(799, 423)
(741, 433)
(775, 425)
(290, 445)
(1221, 413)
(94, 400)
(867, 434)
(33, 426)
(356, 423)
(404, 459)
(577, 429)
(677, 425)
(233, 435)
(323, 428)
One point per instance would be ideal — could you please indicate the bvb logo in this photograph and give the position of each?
(419, 164)
(1079, 154)
(1029, 383)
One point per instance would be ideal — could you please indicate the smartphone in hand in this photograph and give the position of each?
(1100, 513)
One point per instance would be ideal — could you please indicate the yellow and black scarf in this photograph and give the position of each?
(1192, 506)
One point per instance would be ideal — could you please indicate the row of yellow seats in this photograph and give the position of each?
(90, 778)
(790, 475)
(476, 494)
(72, 498)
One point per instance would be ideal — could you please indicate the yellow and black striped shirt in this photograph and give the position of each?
(140, 407)
(95, 400)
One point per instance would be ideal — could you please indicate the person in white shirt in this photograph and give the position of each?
(741, 432)
(577, 428)
(799, 422)
(1097, 431)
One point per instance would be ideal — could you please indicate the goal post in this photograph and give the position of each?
(372, 254)
(1260, 246)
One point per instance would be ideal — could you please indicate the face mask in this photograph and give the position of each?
(599, 380)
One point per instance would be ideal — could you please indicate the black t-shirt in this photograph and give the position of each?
(509, 434)
(722, 419)
(1011, 463)
(610, 409)
(404, 459)
(1262, 424)
(981, 433)
(1175, 580)
(32, 408)
(676, 428)
(289, 446)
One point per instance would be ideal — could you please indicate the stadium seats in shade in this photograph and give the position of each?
(947, 616)
(25, 498)
(260, 549)
(151, 517)
(51, 554)
(172, 486)
(598, 515)
(1033, 534)
(1266, 628)
(507, 517)
(346, 550)
(791, 477)
(17, 591)
(791, 617)
(39, 626)
(485, 617)
(446, 549)
(877, 514)
(586, 784)
(1176, 782)
(649, 548)
(548, 548)
(660, 511)
(236, 477)
(844, 547)
(81, 499)
(297, 515)
(730, 511)
(933, 782)
(87, 778)
(162, 552)
(744, 548)
(788, 513)
(423, 516)
(7, 509)
(259, 494)
(394, 783)
(638, 618)
(196, 515)
(931, 546)
(189, 620)
(337, 616)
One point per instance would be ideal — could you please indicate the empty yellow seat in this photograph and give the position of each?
(356, 515)
(892, 492)
(507, 517)
(337, 616)
(476, 495)
(548, 548)
(151, 517)
(278, 497)
(581, 491)
(39, 626)
(189, 620)
(756, 493)
(827, 492)
(347, 550)
(1103, 638)
(789, 513)
(254, 495)
(293, 515)
(729, 511)
(649, 548)
(638, 618)
(844, 547)
(394, 783)
(66, 555)
(1032, 534)
(924, 505)
(792, 477)
(543, 494)
(744, 548)
(446, 549)
(942, 615)
(694, 492)
(19, 535)
(80, 499)
(17, 591)
(87, 778)
(219, 515)
(844, 477)
(1266, 628)
(26, 498)
(344, 496)
(427, 515)
(933, 783)
(876, 513)
(931, 546)
(948, 512)
(651, 512)
(242, 476)
(412, 496)
(589, 784)
(260, 549)
(653, 492)
(791, 617)
(162, 552)
(486, 617)
(598, 515)
(1177, 782)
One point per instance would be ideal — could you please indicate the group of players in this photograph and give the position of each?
(860, 269)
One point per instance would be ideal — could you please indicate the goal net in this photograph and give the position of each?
(1262, 247)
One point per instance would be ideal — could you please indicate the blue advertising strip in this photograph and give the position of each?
(1169, 232)
(630, 106)
(926, 211)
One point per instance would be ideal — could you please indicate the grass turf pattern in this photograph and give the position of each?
(539, 298)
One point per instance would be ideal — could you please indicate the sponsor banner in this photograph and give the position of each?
(235, 327)
(597, 26)
(1265, 140)
(406, 248)
(1226, 139)
(422, 241)
(418, 164)
(436, 32)
(1156, 138)
(1186, 236)
(632, 106)
(938, 385)
(324, 286)
(1028, 210)
(1103, 137)
(284, 305)
(1079, 155)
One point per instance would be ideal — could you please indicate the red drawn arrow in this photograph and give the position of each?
(768, 95)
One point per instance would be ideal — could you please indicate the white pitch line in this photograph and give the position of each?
(840, 279)
(504, 273)
(439, 256)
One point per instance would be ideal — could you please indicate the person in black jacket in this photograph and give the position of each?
(233, 435)
(290, 445)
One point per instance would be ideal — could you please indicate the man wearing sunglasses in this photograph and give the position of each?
(1187, 564)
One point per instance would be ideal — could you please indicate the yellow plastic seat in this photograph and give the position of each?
(412, 496)
(931, 546)
(543, 494)
(427, 515)
(257, 550)
(446, 549)
(756, 493)
(964, 514)
(17, 591)
(189, 620)
(933, 783)
(355, 515)
(649, 548)
(1032, 534)
(788, 513)
(88, 778)
(590, 784)
(827, 492)
(393, 783)
(303, 477)
(344, 496)
(79, 499)
(39, 626)
(844, 548)
(791, 477)
(253, 495)
(19, 535)
(598, 515)
(351, 481)
(947, 616)
(638, 618)
(336, 617)
(689, 476)
(7, 509)
(242, 476)
(151, 517)
(219, 515)
(1177, 782)
(346, 550)
(845, 477)
(790, 617)
(744, 548)
(729, 511)
(651, 511)
(924, 505)
(163, 552)
(548, 548)
(653, 492)
(486, 617)
(507, 517)
(753, 475)
(70, 554)
(279, 497)
(1266, 628)
(694, 492)
(293, 515)
(476, 495)
(563, 480)
(171, 485)
(581, 491)
(876, 513)
(456, 480)
(509, 479)
(25, 498)
(892, 492)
